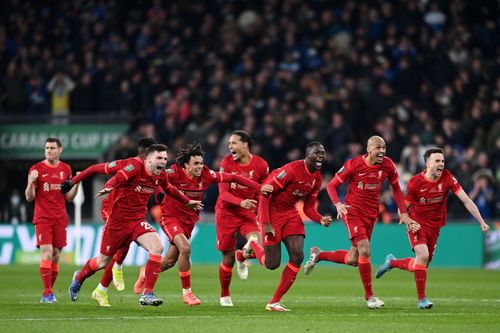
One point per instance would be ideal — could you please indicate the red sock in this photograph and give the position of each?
(405, 264)
(287, 278)
(55, 270)
(46, 274)
(340, 256)
(365, 271)
(185, 279)
(225, 274)
(107, 276)
(258, 250)
(151, 272)
(88, 270)
(120, 255)
(420, 274)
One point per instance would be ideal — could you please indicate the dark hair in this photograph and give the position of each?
(143, 144)
(311, 145)
(430, 151)
(185, 153)
(56, 140)
(244, 137)
(156, 147)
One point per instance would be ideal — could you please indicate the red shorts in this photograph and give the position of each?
(50, 234)
(425, 236)
(172, 227)
(359, 227)
(284, 225)
(226, 226)
(115, 238)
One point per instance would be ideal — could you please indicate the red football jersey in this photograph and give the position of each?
(50, 203)
(365, 184)
(133, 186)
(192, 188)
(292, 182)
(428, 198)
(256, 169)
(112, 168)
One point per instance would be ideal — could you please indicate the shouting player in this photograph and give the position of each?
(426, 195)
(126, 222)
(280, 221)
(365, 175)
(113, 271)
(236, 210)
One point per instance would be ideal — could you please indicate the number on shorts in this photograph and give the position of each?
(147, 226)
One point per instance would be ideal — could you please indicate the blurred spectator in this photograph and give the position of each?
(60, 87)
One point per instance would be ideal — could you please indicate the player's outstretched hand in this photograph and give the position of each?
(269, 229)
(248, 203)
(485, 227)
(66, 186)
(266, 189)
(104, 191)
(411, 224)
(195, 204)
(341, 210)
(32, 176)
(326, 221)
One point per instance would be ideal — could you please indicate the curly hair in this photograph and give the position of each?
(185, 153)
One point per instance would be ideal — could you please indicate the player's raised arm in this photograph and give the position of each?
(121, 177)
(472, 208)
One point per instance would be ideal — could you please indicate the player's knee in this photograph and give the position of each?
(423, 258)
(156, 249)
(272, 264)
(297, 259)
(228, 261)
(185, 251)
(103, 262)
(365, 252)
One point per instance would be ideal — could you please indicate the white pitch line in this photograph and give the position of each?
(194, 316)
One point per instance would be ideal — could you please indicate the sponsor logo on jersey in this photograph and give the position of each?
(112, 164)
(46, 186)
(282, 174)
(170, 171)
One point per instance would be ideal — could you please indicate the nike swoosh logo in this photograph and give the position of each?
(423, 190)
(362, 174)
(45, 175)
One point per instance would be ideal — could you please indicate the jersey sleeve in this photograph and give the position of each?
(265, 170)
(409, 193)
(115, 166)
(129, 171)
(345, 171)
(393, 175)
(282, 177)
(454, 185)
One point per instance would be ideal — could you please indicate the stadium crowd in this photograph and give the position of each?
(418, 73)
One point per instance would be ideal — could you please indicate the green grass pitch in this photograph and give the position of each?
(328, 300)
